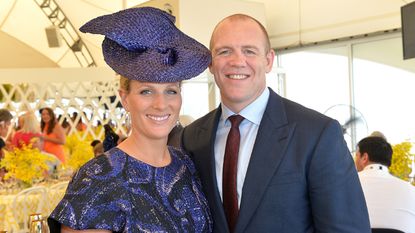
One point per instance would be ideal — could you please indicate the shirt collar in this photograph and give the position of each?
(253, 112)
(376, 167)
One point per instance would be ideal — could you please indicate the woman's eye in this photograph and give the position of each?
(172, 92)
(145, 92)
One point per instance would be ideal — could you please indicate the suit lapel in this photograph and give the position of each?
(208, 170)
(273, 135)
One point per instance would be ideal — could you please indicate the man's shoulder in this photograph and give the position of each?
(203, 121)
(296, 113)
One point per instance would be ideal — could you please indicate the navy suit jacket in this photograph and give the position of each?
(301, 176)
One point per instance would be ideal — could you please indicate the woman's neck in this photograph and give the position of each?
(150, 151)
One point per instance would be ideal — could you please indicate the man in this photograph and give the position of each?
(5, 121)
(294, 171)
(390, 200)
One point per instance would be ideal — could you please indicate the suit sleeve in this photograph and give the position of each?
(336, 196)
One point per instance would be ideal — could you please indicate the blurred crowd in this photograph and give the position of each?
(50, 133)
(47, 134)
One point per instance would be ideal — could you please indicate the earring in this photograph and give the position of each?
(128, 121)
(177, 123)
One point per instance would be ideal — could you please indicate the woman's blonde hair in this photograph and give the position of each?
(30, 123)
(125, 84)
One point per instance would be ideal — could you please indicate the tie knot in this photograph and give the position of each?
(236, 120)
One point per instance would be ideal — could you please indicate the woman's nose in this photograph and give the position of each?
(159, 101)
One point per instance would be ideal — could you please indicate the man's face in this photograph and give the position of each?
(4, 128)
(240, 62)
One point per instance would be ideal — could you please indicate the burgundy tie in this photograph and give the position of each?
(230, 199)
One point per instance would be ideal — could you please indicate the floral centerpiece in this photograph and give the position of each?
(26, 164)
(79, 151)
(401, 160)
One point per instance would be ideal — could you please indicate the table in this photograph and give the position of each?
(9, 223)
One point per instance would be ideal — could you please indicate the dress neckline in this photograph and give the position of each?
(133, 159)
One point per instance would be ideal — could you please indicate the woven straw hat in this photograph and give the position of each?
(144, 44)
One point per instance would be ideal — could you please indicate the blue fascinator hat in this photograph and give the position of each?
(143, 44)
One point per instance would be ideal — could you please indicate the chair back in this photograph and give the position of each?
(26, 202)
(55, 194)
(385, 230)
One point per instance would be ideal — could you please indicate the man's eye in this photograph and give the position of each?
(223, 52)
(250, 52)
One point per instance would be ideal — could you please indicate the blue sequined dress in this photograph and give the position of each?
(119, 193)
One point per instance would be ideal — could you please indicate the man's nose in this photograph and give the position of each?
(238, 59)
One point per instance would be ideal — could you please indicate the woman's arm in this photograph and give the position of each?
(65, 229)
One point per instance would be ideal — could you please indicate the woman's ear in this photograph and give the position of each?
(124, 101)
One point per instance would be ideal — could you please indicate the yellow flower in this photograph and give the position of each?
(79, 151)
(26, 164)
(401, 160)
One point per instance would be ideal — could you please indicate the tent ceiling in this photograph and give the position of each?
(23, 41)
(16, 54)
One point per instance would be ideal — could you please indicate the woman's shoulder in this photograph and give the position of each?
(181, 155)
(106, 166)
(97, 195)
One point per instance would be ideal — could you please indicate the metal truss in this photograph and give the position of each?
(67, 31)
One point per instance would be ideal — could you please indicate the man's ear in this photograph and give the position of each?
(270, 60)
(365, 159)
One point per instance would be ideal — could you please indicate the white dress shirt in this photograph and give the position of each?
(390, 200)
(248, 129)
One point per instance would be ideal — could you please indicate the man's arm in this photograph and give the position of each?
(336, 196)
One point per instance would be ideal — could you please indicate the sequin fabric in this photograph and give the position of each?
(119, 193)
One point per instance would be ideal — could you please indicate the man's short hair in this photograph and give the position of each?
(5, 115)
(377, 148)
(243, 17)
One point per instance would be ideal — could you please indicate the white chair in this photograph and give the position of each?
(55, 194)
(28, 201)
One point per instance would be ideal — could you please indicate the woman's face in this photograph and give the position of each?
(154, 107)
(45, 116)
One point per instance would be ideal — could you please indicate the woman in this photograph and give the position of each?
(141, 185)
(29, 132)
(53, 134)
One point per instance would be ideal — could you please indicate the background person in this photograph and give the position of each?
(293, 171)
(390, 200)
(53, 134)
(97, 147)
(29, 132)
(141, 184)
(5, 122)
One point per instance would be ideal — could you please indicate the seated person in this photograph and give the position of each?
(5, 122)
(390, 200)
(29, 132)
(97, 147)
